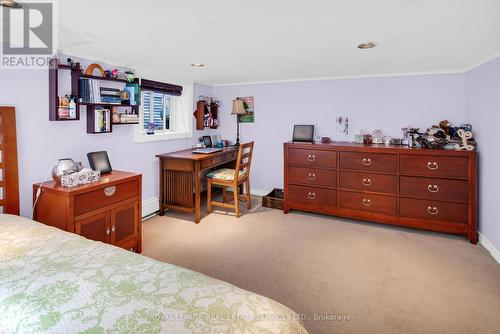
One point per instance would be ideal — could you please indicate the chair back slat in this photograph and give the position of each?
(244, 160)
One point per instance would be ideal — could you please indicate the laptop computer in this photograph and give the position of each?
(206, 150)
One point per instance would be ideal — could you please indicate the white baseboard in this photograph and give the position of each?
(152, 205)
(259, 192)
(489, 247)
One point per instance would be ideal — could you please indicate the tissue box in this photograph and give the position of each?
(84, 176)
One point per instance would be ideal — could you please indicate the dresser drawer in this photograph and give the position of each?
(312, 176)
(433, 210)
(314, 158)
(212, 162)
(367, 202)
(312, 197)
(434, 189)
(105, 196)
(430, 165)
(375, 162)
(368, 182)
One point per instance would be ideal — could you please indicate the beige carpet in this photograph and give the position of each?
(387, 279)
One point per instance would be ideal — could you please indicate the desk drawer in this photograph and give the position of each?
(368, 202)
(375, 162)
(313, 158)
(433, 210)
(230, 156)
(212, 162)
(433, 165)
(312, 197)
(312, 176)
(368, 182)
(105, 196)
(434, 189)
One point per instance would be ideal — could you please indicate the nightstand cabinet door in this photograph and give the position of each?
(95, 227)
(124, 225)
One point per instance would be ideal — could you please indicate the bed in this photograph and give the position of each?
(52, 281)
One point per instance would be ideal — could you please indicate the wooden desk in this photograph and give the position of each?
(180, 174)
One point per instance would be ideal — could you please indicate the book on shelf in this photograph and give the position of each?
(89, 90)
(129, 118)
(110, 95)
(102, 120)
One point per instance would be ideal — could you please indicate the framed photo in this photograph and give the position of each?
(216, 140)
(249, 106)
(99, 161)
(207, 141)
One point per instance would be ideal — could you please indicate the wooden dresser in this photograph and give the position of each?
(107, 211)
(420, 188)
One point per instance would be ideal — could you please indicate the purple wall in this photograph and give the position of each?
(384, 103)
(483, 108)
(41, 143)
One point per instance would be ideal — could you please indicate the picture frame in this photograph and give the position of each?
(216, 139)
(207, 141)
(249, 117)
(99, 161)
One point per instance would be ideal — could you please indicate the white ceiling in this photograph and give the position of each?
(271, 40)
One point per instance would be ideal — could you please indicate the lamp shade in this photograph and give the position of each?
(238, 107)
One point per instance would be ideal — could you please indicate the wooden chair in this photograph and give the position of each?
(226, 178)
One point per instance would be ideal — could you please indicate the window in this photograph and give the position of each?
(170, 115)
(157, 110)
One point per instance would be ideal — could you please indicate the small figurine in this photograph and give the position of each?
(151, 129)
(70, 62)
(130, 76)
(445, 125)
(115, 73)
(367, 139)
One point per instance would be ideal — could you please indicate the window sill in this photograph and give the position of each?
(145, 138)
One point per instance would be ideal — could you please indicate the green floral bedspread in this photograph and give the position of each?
(52, 281)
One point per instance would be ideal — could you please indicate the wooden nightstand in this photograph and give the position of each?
(107, 211)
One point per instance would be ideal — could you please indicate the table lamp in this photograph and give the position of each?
(238, 109)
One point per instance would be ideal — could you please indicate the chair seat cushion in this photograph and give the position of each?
(225, 174)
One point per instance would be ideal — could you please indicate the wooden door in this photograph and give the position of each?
(95, 228)
(124, 224)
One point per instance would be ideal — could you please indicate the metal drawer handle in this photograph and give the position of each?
(366, 202)
(433, 188)
(367, 161)
(432, 165)
(113, 228)
(367, 182)
(109, 191)
(108, 231)
(311, 195)
(311, 157)
(432, 210)
(311, 176)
